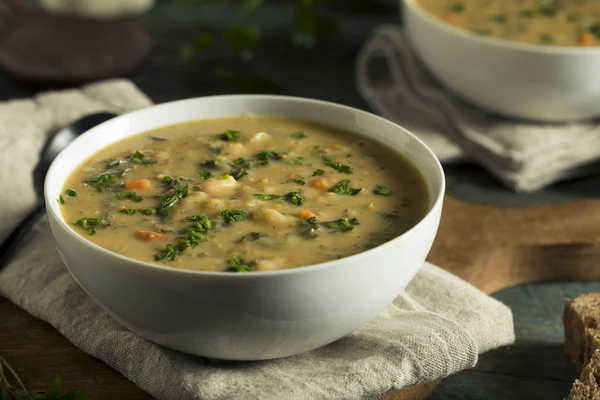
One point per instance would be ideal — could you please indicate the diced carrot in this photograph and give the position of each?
(149, 235)
(306, 215)
(586, 39)
(322, 183)
(140, 184)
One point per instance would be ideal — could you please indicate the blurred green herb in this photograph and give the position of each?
(9, 392)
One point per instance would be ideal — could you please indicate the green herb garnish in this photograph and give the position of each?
(382, 191)
(236, 264)
(128, 211)
(231, 216)
(195, 232)
(299, 160)
(204, 174)
(458, 7)
(267, 197)
(238, 161)
(318, 172)
(299, 135)
(71, 193)
(330, 161)
(297, 181)
(9, 392)
(139, 158)
(169, 253)
(61, 199)
(342, 224)
(199, 218)
(149, 211)
(265, 156)
(100, 182)
(230, 136)
(90, 224)
(170, 200)
(238, 173)
(130, 196)
(343, 188)
(296, 198)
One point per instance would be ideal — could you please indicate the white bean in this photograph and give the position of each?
(268, 264)
(259, 138)
(268, 216)
(219, 187)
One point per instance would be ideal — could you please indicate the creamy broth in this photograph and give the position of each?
(550, 22)
(244, 194)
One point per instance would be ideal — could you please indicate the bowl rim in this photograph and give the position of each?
(496, 42)
(434, 205)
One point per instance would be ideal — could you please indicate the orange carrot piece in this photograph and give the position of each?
(322, 183)
(306, 215)
(140, 184)
(586, 39)
(149, 235)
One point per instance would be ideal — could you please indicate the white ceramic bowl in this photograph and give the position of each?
(249, 316)
(543, 83)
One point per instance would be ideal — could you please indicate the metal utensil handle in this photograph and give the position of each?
(8, 247)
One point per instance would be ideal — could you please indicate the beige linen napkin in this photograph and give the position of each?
(436, 328)
(524, 156)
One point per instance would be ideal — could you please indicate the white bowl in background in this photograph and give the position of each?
(532, 82)
(250, 316)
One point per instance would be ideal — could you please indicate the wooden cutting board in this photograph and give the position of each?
(493, 248)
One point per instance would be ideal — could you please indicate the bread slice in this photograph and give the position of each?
(587, 387)
(581, 318)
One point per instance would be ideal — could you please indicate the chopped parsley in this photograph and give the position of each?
(130, 196)
(343, 188)
(458, 7)
(149, 211)
(342, 224)
(204, 174)
(100, 182)
(230, 136)
(90, 224)
(265, 157)
(299, 160)
(297, 181)
(382, 191)
(210, 164)
(71, 193)
(318, 172)
(238, 173)
(231, 216)
(299, 135)
(195, 232)
(169, 253)
(169, 200)
(267, 197)
(128, 211)
(295, 198)
(61, 199)
(139, 158)
(238, 161)
(330, 161)
(236, 264)
(253, 236)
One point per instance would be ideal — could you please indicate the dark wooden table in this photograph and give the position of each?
(534, 368)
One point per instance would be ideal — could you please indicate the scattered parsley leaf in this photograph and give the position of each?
(297, 181)
(90, 224)
(296, 198)
(266, 155)
(230, 136)
(343, 188)
(299, 135)
(236, 264)
(139, 158)
(299, 160)
(169, 253)
(238, 173)
(231, 216)
(382, 191)
(71, 193)
(170, 200)
(330, 161)
(318, 172)
(204, 174)
(342, 224)
(238, 161)
(130, 196)
(149, 211)
(60, 199)
(100, 182)
(267, 197)
(128, 211)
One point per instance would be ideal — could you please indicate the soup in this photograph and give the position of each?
(558, 22)
(243, 194)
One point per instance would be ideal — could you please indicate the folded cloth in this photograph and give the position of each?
(524, 156)
(437, 327)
